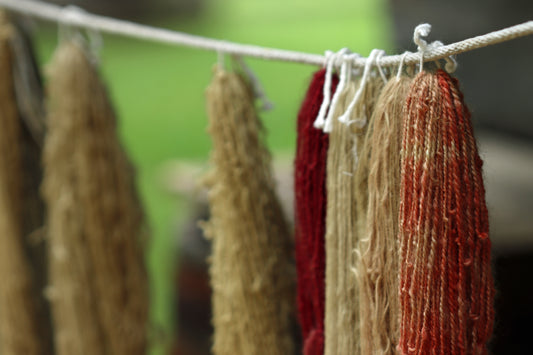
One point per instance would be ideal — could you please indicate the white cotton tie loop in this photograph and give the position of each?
(421, 30)
(451, 63)
(221, 60)
(380, 54)
(71, 15)
(400, 66)
(345, 76)
(320, 118)
(345, 118)
(68, 29)
(257, 87)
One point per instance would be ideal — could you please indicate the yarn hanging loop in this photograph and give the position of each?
(380, 68)
(320, 120)
(423, 30)
(333, 60)
(345, 76)
(451, 62)
(257, 87)
(345, 117)
(69, 30)
(400, 66)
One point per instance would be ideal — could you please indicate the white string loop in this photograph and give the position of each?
(69, 29)
(345, 77)
(400, 66)
(257, 87)
(345, 117)
(331, 60)
(451, 62)
(421, 30)
(378, 65)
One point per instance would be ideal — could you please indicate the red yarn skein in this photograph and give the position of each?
(310, 210)
(446, 287)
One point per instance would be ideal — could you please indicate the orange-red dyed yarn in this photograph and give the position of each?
(446, 287)
(310, 210)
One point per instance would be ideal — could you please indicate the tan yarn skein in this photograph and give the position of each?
(99, 289)
(251, 274)
(23, 326)
(342, 297)
(377, 267)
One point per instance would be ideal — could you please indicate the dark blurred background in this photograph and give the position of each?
(158, 91)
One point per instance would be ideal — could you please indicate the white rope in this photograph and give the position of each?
(119, 27)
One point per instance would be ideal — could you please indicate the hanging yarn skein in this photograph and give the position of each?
(24, 325)
(446, 287)
(342, 301)
(310, 210)
(377, 267)
(98, 284)
(251, 273)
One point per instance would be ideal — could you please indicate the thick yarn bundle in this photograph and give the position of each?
(99, 290)
(251, 273)
(342, 304)
(446, 287)
(377, 267)
(23, 323)
(310, 211)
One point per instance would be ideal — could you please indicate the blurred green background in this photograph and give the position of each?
(158, 92)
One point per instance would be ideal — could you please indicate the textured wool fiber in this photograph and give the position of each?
(98, 283)
(342, 219)
(445, 284)
(251, 273)
(377, 266)
(310, 211)
(23, 323)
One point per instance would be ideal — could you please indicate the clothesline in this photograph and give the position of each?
(75, 17)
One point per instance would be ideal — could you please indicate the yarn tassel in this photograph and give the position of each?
(342, 221)
(251, 273)
(99, 289)
(446, 287)
(310, 210)
(24, 325)
(377, 267)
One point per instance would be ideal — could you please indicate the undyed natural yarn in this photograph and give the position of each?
(310, 216)
(377, 266)
(23, 324)
(98, 283)
(446, 287)
(251, 273)
(343, 219)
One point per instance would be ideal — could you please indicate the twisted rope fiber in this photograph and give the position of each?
(82, 19)
(445, 284)
(310, 210)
